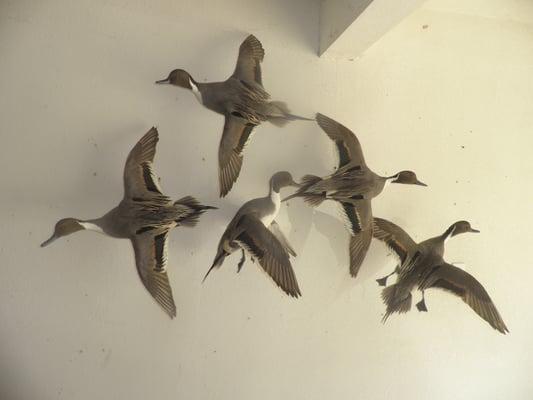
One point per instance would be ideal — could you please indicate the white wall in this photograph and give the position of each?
(453, 102)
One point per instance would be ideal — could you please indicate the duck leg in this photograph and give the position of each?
(383, 281)
(241, 262)
(421, 305)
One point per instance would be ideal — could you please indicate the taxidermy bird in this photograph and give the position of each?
(145, 216)
(422, 266)
(353, 186)
(242, 100)
(255, 230)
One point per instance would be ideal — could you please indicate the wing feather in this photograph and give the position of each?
(236, 134)
(140, 179)
(151, 259)
(251, 54)
(267, 249)
(395, 238)
(459, 282)
(348, 147)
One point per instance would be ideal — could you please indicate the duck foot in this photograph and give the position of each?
(421, 305)
(241, 262)
(382, 281)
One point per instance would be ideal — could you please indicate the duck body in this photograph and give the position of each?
(254, 230)
(348, 184)
(235, 97)
(242, 100)
(422, 266)
(352, 186)
(132, 216)
(145, 216)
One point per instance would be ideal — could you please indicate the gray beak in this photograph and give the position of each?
(296, 184)
(166, 80)
(474, 230)
(47, 242)
(420, 183)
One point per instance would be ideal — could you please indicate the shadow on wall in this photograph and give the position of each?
(303, 218)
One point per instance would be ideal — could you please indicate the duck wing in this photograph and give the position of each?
(278, 233)
(468, 288)
(348, 146)
(140, 179)
(262, 244)
(236, 134)
(251, 53)
(395, 238)
(358, 221)
(151, 258)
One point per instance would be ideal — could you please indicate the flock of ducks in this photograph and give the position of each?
(146, 216)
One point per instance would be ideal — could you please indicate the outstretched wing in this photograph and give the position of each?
(395, 238)
(348, 146)
(151, 259)
(251, 53)
(139, 177)
(266, 248)
(235, 136)
(278, 233)
(358, 221)
(464, 285)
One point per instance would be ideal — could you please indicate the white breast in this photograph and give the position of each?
(276, 199)
(196, 92)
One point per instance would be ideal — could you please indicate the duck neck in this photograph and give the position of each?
(274, 194)
(448, 234)
(388, 180)
(92, 225)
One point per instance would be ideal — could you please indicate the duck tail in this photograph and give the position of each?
(195, 210)
(219, 259)
(397, 299)
(281, 114)
(313, 199)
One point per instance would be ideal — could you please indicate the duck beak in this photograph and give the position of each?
(420, 183)
(47, 242)
(474, 230)
(166, 80)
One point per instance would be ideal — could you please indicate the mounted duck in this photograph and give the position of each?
(242, 100)
(422, 266)
(254, 230)
(353, 186)
(145, 216)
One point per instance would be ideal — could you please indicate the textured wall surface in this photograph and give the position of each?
(447, 93)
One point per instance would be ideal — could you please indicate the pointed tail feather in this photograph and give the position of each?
(313, 199)
(397, 299)
(281, 114)
(219, 259)
(196, 209)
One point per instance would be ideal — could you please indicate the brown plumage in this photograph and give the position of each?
(422, 266)
(145, 216)
(253, 229)
(243, 101)
(353, 186)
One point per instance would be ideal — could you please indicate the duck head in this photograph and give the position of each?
(460, 227)
(178, 77)
(64, 227)
(282, 179)
(407, 177)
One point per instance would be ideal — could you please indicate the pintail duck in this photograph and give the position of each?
(422, 265)
(242, 100)
(145, 216)
(255, 230)
(353, 185)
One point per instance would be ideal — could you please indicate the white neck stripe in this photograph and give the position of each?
(91, 227)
